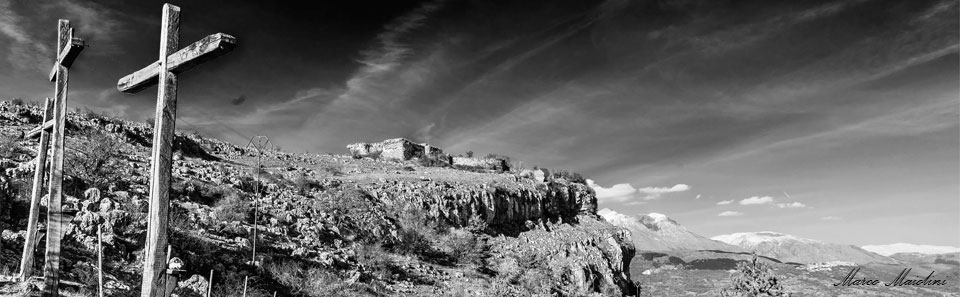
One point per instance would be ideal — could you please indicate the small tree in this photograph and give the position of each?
(469, 154)
(754, 279)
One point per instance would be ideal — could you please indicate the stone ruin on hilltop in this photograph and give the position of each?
(402, 149)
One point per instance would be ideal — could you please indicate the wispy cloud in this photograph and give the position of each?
(791, 205)
(724, 202)
(650, 193)
(99, 25)
(730, 213)
(830, 218)
(756, 200)
(624, 192)
(24, 52)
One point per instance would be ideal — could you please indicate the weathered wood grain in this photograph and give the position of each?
(66, 58)
(51, 267)
(201, 51)
(46, 126)
(154, 267)
(39, 172)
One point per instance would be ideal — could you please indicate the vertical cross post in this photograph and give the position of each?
(39, 172)
(67, 50)
(164, 73)
(154, 267)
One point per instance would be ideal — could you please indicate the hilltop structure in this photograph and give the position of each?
(402, 149)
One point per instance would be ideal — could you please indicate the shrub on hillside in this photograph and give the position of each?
(9, 147)
(95, 160)
(309, 280)
(754, 279)
(231, 207)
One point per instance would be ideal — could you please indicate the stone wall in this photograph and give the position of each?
(393, 149)
(482, 163)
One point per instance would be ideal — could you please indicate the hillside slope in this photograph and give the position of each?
(326, 224)
(789, 248)
(657, 233)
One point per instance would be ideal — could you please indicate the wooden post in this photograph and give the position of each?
(164, 73)
(161, 158)
(65, 55)
(100, 259)
(39, 172)
(245, 278)
(210, 284)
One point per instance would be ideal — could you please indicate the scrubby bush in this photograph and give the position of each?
(9, 147)
(754, 279)
(95, 160)
(303, 185)
(309, 280)
(570, 176)
(231, 207)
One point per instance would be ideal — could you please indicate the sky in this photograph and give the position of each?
(831, 120)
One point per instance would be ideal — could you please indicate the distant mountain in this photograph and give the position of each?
(656, 232)
(789, 248)
(890, 249)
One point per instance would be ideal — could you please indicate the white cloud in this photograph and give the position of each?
(724, 202)
(698, 197)
(830, 218)
(757, 200)
(730, 213)
(616, 193)
(791, 205)
(651, 193)
(625, 191)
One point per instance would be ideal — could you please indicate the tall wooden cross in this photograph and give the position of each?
(164, 73)
(68, 48)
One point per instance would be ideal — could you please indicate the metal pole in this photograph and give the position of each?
(256, 209)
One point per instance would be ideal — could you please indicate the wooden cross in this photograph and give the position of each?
(39, 172)
(68, 48)
(164, 73)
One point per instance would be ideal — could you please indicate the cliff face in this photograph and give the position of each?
(501, 207)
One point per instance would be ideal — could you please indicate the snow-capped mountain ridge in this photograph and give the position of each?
(657, 232)
(790, 248)
(896, 248)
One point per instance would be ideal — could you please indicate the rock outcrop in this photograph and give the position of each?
(482, 163)
(498, 206)
(592, 256)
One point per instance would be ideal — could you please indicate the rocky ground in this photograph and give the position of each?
(327, 225)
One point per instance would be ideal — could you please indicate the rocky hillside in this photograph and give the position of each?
(789, 248)
(327, 225)
(657, 233)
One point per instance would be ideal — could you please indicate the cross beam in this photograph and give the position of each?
(201, 51)
(164, 73)
(68, 55)
(46, 126)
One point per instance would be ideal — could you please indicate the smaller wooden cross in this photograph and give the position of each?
(39, 172)
(68, 48)
(164, 73)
